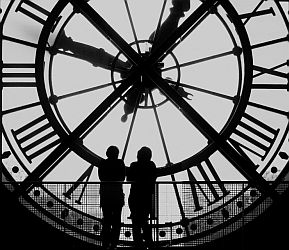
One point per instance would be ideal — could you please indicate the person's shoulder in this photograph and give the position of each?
(133, 164)
(102, 162)
(120, 162)
(152, 164)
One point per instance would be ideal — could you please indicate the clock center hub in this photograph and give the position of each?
(146, 82)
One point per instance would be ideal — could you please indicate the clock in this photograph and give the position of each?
(204, 84)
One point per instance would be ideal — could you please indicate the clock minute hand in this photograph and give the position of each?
(170, 37)
(171, 23)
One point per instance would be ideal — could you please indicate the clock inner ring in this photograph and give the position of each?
(144, 86)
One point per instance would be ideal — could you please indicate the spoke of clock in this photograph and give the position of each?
(254, 11)
(131, 126)
(56, 163)
(27, 43)
(202, 90)
(101, 119)
(242, 164)
(18, 75)
(251, 133)
(193, 184)
(83, 178)
(271, 42)
(270, 109)
(235, 51)
(215, 189)
(132, 26)
(155, 34)
(273, 73)
(33, 135)
(182, 212)
(20, 108)
(20, 41)
(49, 163)
(159, 128)
(34, 11)
(55, 98)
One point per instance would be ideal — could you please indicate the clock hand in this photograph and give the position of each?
(171, 23)
(98, 57)
(107, 31)
(158, 36)
(135, 59)
(171, 37)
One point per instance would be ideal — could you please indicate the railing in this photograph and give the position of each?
(183, 213)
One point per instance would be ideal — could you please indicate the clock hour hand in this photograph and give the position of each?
(98, 57)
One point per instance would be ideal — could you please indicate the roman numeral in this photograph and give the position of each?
(256, 13)
(18, 75)
(270, 86)
(35, 138)
(84, 177)
(212, 190)
(34, 11)
(271, 71)
(254, 136)
(5, 154)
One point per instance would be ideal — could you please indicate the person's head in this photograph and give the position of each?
(112, 152)
(144, 154)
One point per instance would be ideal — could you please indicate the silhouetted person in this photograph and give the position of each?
(142, 174)
(111, 174)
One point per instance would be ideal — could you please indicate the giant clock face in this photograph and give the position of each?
(204, 84)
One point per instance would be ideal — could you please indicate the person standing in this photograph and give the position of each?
(142, 175)
(111, 173)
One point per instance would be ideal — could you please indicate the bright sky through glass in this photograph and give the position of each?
(181, 138)
(210, 85)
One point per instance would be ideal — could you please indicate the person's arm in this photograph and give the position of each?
(101, 171)
(129, 173)
(123, 171)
